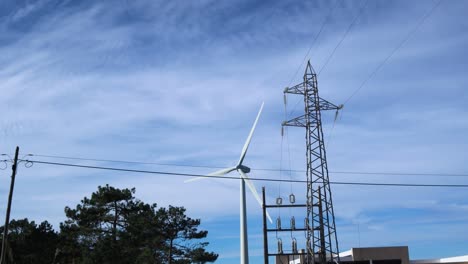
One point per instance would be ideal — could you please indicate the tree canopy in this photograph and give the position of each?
(30, 243)
(112, 226)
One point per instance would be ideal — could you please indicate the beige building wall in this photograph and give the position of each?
(381, 253)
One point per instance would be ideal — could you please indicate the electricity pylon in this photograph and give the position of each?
(322, 242)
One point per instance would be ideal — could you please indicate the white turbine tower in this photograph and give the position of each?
(242, 170)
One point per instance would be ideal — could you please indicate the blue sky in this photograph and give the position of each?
(181, 82)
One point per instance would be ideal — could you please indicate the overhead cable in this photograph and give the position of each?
(421, 21)
(343, 37)
(314, 41)
(253, 169)
(237, 178)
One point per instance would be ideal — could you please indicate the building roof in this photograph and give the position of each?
(442, 260)
(348, 256)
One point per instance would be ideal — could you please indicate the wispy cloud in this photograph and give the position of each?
(181, 82)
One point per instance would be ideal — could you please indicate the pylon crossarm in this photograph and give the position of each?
(326, 105)
(301, 121)
(296, 89)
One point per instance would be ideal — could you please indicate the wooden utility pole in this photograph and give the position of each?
(10, 197)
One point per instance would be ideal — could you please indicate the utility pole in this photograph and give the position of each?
(10, 197)
(322, 242)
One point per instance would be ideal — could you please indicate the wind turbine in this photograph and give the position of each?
(244, 179)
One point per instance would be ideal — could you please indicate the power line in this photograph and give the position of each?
(308, 51)
(254, 169)
(236, 178)
(124, 161)
(400, 174)
(343, 37)
(334, 50)
(394, 50)
(315, 39)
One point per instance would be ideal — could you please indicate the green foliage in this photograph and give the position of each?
(30, 243)
(178, 231)
(115, 227)
(111, 227)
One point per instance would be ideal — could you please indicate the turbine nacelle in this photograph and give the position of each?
(243, 168)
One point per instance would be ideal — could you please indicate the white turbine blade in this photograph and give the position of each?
(254, 191)
(247, 142)
(216, 173)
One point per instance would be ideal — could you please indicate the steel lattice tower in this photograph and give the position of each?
(322, 242)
